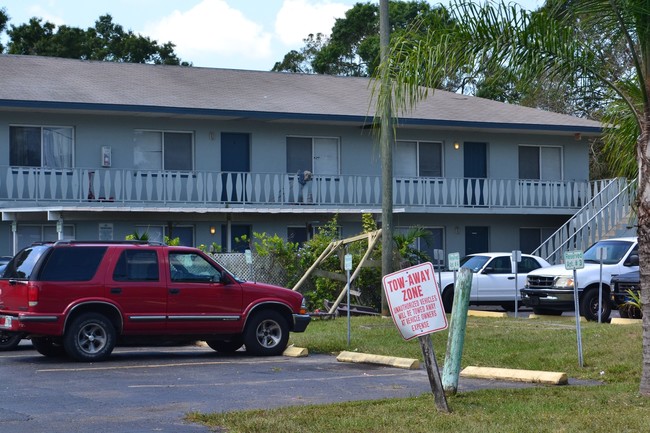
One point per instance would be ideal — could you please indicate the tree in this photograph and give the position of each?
(557, 42)
(301, 61)
(353, 47)
(3, 24)
(106, 41)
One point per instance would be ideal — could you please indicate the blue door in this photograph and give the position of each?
(476, 240)
(475, 172)
(235, 165)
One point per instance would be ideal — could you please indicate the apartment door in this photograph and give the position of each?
(326, 156)
(235, 165)
(476, 240)
(475, 172)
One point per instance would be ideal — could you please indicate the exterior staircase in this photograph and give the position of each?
(609, 213)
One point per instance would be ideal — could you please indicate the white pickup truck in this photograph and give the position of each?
(550, 290)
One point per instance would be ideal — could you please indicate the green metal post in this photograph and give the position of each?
(457, 325)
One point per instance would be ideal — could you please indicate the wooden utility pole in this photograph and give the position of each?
(386, 145)
(457, 326)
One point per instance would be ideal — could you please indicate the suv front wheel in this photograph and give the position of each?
(266, 334)
(90, 337)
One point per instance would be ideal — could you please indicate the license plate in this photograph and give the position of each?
(5, 322)
(533, 300)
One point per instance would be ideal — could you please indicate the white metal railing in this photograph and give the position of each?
(609, 208)
(204, 188)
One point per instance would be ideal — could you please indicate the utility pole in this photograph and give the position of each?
(386, 145)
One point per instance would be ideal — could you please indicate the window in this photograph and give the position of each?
(184, 233)
(320, 155)
(418, 159)
(72, 264)
(527, 264)
(301, 234)
(28, 234)
(428, 244)
(41, 146)
(237, 231)
(501, 265)
(540, 162)
(154, 233)
(191, 267)
(158, 150)
(297, 235)
(135, 265)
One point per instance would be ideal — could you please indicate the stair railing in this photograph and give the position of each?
(604, 212)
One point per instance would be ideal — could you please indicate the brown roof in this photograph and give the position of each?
(53, 83)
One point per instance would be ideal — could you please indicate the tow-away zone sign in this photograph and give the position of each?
(414, 300)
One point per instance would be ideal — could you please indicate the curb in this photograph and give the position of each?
(478, 313)
(531, 376)
(296, 352)
(550, 317)
(622, 321)
(392, 361)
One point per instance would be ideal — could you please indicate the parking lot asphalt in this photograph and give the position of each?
(153, 388)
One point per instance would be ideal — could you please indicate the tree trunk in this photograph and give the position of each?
(643, 231)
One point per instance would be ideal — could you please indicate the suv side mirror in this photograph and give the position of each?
(488, 270)
(632, 260)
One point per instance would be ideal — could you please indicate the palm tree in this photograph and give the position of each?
(600, 47)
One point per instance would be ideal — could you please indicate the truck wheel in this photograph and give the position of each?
(90, 337)
(589, 305)
(222, 346)
(9, 340)
(266, 334)
(448, 299)
(546, 312)
(47, 346)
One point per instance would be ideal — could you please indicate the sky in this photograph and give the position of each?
(233, 34)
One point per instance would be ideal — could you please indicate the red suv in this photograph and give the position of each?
(83, 298)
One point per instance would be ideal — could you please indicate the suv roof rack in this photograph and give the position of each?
(130, 242)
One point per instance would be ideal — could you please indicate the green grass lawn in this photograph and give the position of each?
(612, 354)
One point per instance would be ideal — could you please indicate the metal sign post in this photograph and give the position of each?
(516, 259)
(348, 267)
(601, 254)
(574, 260)
(439, 256)
(453, 259)
(248, 255)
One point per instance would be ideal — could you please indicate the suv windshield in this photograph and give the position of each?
(22, 266)
(614, 251)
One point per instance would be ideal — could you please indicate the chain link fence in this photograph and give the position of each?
(264, 268)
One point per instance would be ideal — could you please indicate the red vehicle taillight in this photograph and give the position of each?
(32, 295)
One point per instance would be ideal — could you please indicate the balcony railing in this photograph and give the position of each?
(206, 189)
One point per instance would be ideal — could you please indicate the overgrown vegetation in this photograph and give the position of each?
(296, 259)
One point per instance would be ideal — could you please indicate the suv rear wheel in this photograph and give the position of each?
(90, 337)
(266, 334)
(9, 340)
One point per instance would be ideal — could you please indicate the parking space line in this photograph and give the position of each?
(260, 382)
(176, 364)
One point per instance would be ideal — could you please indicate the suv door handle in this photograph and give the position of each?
(116, 290)
(174, 291)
